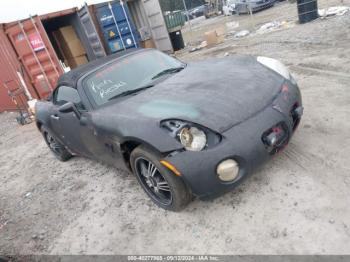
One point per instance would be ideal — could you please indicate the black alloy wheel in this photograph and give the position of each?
(153, 181)
(60, 152)
(166, 189)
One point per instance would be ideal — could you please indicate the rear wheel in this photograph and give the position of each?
(60, 152)
(166, 190)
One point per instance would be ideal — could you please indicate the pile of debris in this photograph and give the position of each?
(333, 11)
(214, 37)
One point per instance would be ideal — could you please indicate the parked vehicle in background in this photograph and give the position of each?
(199, 11)
(245, 6)
(187, 15)
(214, 8)
(196, 12)
(183, 129)
(230, 7)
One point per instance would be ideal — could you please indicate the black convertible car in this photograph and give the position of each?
(183, 129)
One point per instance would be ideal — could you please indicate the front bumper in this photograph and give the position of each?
(243, 142)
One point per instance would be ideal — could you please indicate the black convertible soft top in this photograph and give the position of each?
(71, 78)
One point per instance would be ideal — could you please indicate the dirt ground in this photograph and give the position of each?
(296, 204)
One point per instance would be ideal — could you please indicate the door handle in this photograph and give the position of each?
(55, 117)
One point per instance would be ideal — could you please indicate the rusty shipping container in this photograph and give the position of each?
(40, 53)
(77, 28)
(42, 46)
(35, 53)
(121, 24)
(12, 76)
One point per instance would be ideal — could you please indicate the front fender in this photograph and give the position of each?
(42, 112)
(146, 131)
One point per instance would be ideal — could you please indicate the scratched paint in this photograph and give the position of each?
(167, 108)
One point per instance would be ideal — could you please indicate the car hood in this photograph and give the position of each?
(216, 93)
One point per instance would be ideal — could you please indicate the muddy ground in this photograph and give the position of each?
(296, 204)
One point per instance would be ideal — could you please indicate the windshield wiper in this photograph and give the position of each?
(130, 92)
(168, 71)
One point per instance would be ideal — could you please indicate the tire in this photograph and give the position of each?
(176, 196)
(59, 151)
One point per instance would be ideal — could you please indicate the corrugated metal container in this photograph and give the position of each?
(36, 54)
(33, 47)
(12, 75)
(117, 26)
(82, 25)
(307, 10)
(157, 25)
(91, 33)
(174, 21)
(40, 53)
(145, 19)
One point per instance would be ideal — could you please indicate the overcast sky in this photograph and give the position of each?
(11, 10)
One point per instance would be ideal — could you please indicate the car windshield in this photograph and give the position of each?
(129, 74)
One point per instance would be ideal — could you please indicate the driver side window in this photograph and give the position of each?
(65, 94)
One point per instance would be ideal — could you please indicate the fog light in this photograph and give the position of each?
(228, 170)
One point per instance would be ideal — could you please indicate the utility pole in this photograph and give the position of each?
(188, 19)
(251, 16)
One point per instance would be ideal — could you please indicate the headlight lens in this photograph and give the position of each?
(192, 138)
(276, 66)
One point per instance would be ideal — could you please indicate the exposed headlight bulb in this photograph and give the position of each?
(192, 138)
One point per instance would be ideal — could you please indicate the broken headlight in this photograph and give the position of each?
(193, 137)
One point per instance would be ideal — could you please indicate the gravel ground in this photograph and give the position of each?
(296, 204)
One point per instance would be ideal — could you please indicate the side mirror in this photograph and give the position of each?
(69, 107)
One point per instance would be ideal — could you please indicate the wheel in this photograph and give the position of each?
(166, 190)
(60, 152)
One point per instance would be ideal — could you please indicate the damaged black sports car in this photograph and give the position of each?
(184, 130)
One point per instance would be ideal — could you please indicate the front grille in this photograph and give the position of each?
(275, 138)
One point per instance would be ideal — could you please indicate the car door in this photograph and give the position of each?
(67, 126)
(102, 146)
(78, 133)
